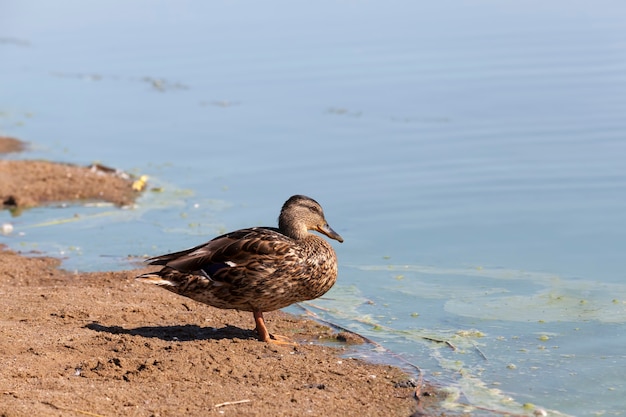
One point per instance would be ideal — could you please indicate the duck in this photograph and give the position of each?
(257, 269)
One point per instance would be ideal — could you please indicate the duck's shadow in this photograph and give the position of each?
(184, 333)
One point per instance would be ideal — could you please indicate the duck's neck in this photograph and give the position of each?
(293, 229)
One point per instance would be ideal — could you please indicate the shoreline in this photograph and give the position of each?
(102, 344)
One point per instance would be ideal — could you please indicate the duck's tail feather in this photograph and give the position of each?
(155, 279)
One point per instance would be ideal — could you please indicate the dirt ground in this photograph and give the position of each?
(8, 145)
(31, 183)
(103, 344)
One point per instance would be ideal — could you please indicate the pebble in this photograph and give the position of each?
(6, 229)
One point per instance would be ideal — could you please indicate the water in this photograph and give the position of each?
(470, 153)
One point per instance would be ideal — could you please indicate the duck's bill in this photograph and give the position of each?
(328, 231)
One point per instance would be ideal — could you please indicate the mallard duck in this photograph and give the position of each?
(258, 269)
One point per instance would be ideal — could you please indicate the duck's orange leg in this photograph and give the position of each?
(264, 335)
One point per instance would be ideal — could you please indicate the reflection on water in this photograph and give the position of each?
(471, 154)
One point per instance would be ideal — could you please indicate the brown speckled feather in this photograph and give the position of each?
(252, 269)
(256, 269)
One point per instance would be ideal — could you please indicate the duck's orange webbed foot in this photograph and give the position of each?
(265, 336)
(277, 339)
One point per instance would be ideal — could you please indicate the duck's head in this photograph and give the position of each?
(301, 214)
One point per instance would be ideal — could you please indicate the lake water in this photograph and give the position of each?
(472, 155)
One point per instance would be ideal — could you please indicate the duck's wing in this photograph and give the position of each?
(226, 257)
(164, 259)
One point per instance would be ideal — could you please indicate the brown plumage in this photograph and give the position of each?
(256, 269)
